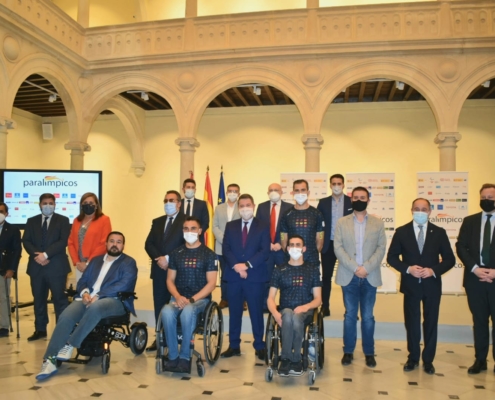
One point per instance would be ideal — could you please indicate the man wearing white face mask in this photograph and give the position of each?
(192, 276)
(193, 207)
(421, 252)
(45, 240)
(300, 293)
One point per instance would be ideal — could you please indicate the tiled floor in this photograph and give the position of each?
(242, 377)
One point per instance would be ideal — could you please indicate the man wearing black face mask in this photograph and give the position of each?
(476, 250)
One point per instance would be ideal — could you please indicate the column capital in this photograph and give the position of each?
(7, 123)
(77, 146)
(447, 139)
(313, 141)
(139, 168)
(187, 143)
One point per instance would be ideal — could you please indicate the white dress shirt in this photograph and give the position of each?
(101, 276)
(186, 202)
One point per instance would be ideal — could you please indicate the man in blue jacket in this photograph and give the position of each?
(97, 290)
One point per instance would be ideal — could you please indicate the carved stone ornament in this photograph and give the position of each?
(186, 81)
(448, 70)
(83, 83)
(11, 48)
(312, 75)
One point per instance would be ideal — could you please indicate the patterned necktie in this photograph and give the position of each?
(244, 234)
(44, 231)
(168, 228)
(487, 236)
(188, 210)
(273, 222)
(421, 239)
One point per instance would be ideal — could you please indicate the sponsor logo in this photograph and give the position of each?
(51, 181)
(25, 195)
(440, 206)
(64, 195)
(8, 195)
(17, 195)
(446, 218)
(72, 195)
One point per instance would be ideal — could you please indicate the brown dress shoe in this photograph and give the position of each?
(223, 304)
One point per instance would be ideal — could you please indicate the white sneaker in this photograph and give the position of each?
(48, 368)
(65, 353)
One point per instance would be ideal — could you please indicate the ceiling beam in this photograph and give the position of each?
(270, 95)
(217, 102)
(159, 100)
(392, 92)
(256, 97)
(489, 92)
(241, 97)
(362, 87)
(286, 98)
(378, 91)
(474, 91)
(408, 93)
(229, 100)
(346, 95)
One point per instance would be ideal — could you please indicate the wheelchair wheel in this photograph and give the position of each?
(271, 342)
(213, 333)
(201, 369)
(105, 363)
(321, 337)
(138, 339)
(311, 377)
(268, 374)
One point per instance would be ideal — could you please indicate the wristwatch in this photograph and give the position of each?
(191, 300)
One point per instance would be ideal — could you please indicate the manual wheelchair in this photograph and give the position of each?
(314, 338)
(115, 328)
(209, 323)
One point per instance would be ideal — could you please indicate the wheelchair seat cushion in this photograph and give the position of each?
(115, 320)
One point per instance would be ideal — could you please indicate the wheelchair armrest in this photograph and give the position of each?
(70, 291)
(126, 295)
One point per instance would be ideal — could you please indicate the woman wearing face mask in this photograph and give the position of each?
(89, 232)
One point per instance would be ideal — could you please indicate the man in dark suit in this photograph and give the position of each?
(97, 298)
(10, 254)
(45, 240)
(271, 212)
(164, 237)
(421, 252)
(194, 207)
(246, 247)
(332, 207)
(476, 249)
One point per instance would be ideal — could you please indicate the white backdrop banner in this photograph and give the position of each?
(448, 195)
(382, 205)
(318, 185)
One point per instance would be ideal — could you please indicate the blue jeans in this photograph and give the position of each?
(188, 318)
(359, 294)
(86, 319)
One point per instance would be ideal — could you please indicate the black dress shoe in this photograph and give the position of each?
(231, 352)
(152, 347)
(477, 367)
(325, 312)
(410, 365)
(261, 354)
(37, 335)
(370, 361)
(347, 359)
(429, 368)
(4, 332)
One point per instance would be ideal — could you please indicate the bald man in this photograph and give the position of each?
(271, 212)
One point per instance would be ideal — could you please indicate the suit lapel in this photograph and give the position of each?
(253, 226)
(411, 236)
(477, 234)
(350, 227)
(110, 272)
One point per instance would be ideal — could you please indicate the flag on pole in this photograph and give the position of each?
(221, 189)
(191, 174)
(208, 197)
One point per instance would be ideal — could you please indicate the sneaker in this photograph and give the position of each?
(171, 365)
(284, 368)
(65, 353)
(183, 366)
(296, 368)
(48, 368)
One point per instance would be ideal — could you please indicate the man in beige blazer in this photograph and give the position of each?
(224, 213)
(359, 245)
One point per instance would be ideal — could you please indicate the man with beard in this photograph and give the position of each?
(97, 290)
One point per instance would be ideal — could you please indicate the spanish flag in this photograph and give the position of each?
(208, 197)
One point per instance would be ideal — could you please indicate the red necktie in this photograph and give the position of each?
(273, 222)
(244, 234)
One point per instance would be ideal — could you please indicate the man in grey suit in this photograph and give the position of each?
(224, 213)
(45, 240)
(359, 245)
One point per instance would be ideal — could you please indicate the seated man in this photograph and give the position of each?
(102, 280)
(192, 276)
(300, 294)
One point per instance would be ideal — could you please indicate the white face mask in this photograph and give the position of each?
(191, 237)
(274, 196)
(246, 213)
(189, 193)
(232, 197)
(295, 253)
(2, 218)
(336, 190)
(300, 198)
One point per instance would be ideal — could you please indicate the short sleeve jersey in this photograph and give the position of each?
(191, 266)
(296, 284)
(304, 223)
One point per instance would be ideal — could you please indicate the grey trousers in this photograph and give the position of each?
(4, 312)
(293, 333)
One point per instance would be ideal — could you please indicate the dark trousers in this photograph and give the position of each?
(412, 321)
(481, 301)
(223, 284)
(252, 293)
(161, 295)
(328, 261)
(41, 284)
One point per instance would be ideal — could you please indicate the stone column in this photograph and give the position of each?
(312, 146)
(77, 150)
(5, 125)
(312, 3)
(83, 13)
(447, 143)
(187, 148)
(191, 8)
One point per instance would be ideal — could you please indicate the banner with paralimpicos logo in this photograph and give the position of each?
(448, 195)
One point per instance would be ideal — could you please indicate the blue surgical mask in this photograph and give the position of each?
(170, 208)
(47, 209)
(420, 217)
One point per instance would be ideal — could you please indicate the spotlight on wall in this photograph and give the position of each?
(52, 98)
(399, 85)
(145, 96)
(257, 90)
(486, 84)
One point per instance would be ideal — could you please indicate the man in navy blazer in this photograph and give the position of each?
(246, 247)
(98, 289)
(271, 212)
(421, 252)
(45, 240)
(10, 254)
(332, 207)
(193, 207)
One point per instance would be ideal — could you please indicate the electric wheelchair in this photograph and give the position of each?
(209, 324)
(314, 338)
(115, 328)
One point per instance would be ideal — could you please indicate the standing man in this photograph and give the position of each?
(421, 252)
(246, 247)
(303, 220)
(164, 237)
(224, 213)
(359, 245)
(193, 207)
(271, 213)
(476, 249)
(45, 240)
(333, 208)
(10, 254)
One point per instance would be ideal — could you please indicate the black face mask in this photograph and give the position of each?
(359, 205)
(88, 209)
(487, 205)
